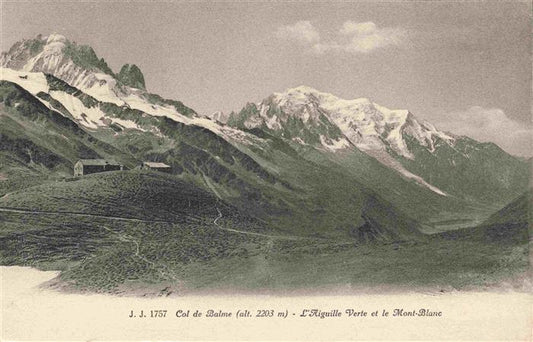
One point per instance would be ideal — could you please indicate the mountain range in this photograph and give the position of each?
(301, 162)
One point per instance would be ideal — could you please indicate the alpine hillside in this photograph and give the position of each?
(336, 185)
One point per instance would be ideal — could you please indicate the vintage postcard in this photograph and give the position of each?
(265, 170)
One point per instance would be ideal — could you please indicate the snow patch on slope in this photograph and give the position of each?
(33, 82)
(93, 118)
(230, 133)
(386, 159)
(334, 145)
(103, 89)
(424, 132)
(136, 102)
(88, 117)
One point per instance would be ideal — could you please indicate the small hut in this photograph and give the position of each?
(155, 166)
(88, 166)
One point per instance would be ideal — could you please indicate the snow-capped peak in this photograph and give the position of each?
(55, 37)
(302, 89)
(364, 123)
(308, 116)
(305, 95)
(54, 44)
(75, 64)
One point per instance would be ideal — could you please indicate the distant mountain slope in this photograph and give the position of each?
(470, 170)
(518, 211)
(511, 224)
(442, 162)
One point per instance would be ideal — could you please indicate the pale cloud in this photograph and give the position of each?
(352, 37)
(351, 27)
(302, 31)
(365, 37)
(491, 124)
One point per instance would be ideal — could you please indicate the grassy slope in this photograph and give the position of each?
(339, 212)
(415, 200)
(511, 224)
(192, 256)
(466, 258)
(128, 194)
(448, 264)
(100, 254)
(91, 227)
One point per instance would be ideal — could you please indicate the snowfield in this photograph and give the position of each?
(366, 124)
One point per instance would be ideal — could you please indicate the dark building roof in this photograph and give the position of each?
(98, 162)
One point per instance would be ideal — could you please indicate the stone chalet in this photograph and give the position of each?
(88, 166)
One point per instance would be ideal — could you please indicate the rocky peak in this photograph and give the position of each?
(77, 65)
(47, 54)
(19, 54)
(219, 116)
(131, 75)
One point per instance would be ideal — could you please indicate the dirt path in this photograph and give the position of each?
(126, 238)
(280, 237)
(129, 219)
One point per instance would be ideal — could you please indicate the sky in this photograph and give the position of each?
(464, 66)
